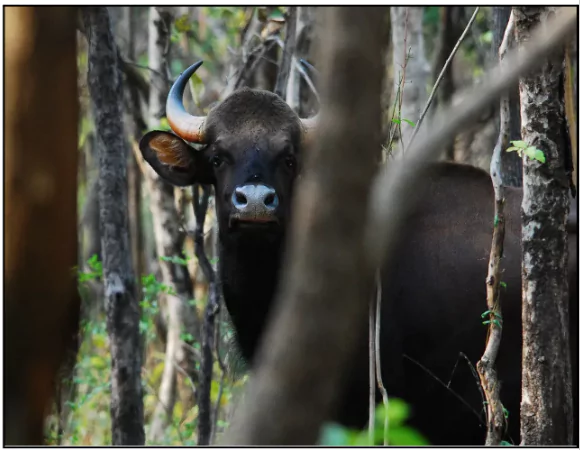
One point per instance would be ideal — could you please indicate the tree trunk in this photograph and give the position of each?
(40, 216)
(449, 33)
(158, 50)
(287, 60)
(323, 300)
(299, 94)
(511, 163)
(127, 43)
(411, 69)
(169, 238)
(123, 312)
(546, 410)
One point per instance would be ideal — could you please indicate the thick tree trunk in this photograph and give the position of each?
(40, 215)
(511, 163)
(323, 300)
(546, 410)
(410, 65)
(123, 312)
(449, 33)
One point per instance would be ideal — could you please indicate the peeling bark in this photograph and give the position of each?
(546, 409)
(121, 302)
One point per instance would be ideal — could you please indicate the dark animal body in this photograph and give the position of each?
(433, 298)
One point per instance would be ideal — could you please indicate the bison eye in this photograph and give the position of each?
(217, 161)
(290, 162)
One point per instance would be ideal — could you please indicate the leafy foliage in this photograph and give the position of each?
(530, 151)
(397, 433)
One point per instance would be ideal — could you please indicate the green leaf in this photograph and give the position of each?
(512, 149)
(519, 144)
(486, 322)
(405, 436)
(540, 156)
(397, 121)
(276, 15)
(486, 37)
(182, 24)
(410, 122)
(506, 413)
(495, 221)
(503, 284)
(486, 313)
(164, 124)
(505, 443)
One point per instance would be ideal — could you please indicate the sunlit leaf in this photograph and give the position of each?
(519, 144)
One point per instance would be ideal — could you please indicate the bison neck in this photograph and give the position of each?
(249, 275)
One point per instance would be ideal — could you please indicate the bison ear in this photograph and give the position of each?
(174, 160)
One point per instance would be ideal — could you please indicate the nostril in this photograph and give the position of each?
(240, 198)
(270, 199)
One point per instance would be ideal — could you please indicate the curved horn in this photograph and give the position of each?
(188, 127)
(309, 124)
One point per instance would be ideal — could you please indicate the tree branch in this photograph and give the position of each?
(486, 365)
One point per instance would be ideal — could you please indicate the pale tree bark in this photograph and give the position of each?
(546, 409)
(41, 298)
(287, 59)
(121, 301)
(411, 69)
(324, 296)
(298, 93)
(169, 235)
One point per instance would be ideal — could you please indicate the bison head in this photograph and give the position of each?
(251, 154)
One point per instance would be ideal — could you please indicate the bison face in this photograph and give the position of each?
(251, 155)
(253, 175)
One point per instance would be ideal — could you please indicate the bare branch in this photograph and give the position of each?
(486, 365)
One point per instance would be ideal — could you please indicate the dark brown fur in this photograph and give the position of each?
(433, 298)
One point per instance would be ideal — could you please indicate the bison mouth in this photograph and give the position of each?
(258, 223)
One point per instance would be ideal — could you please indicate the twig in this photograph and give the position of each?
(381, 385)
(436, 85)
(406, 55)
(288, 54)
(486, 365)
(445, 385)
(372, 370)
